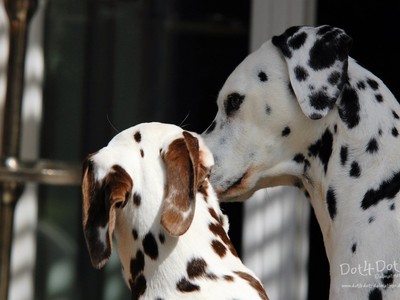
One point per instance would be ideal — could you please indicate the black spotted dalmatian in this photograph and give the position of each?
(149, 186)
(299, 111)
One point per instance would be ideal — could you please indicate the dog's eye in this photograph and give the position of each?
(232, 103)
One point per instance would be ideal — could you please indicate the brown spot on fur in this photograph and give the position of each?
(219, 248)
(218, 230)
(196, 268)
(185, 286)
(213, 214)
(137, 136)
(141, 153)
(253, 283)
(228, 278)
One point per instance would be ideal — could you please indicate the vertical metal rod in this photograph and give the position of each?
(19, 13)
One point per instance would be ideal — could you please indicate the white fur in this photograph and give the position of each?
(250, 142)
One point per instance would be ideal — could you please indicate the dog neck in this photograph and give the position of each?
(352, 179)
(154, 261)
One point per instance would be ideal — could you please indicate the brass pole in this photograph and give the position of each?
(19, 13)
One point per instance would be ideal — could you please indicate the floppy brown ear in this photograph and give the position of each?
(184, 173)
(100, 199)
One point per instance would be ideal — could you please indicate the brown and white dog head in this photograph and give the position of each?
(148, 175)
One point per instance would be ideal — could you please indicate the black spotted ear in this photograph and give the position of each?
(317, 59)
(100, 199)
(182, 163)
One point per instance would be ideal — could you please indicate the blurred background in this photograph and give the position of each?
(96, 67)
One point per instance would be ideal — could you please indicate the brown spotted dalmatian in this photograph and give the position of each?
(149, 187)
(299, 111)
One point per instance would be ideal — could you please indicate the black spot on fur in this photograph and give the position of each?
(354, 248)
(320, 100)
(141, 153)
(395, 115)
(134, 234)
(138, 287)
(379, 98)
(349, 107)
(388, 189)
(355, 170)
(373, 84)
(161, 237)
(150, 246)
(361, 85)
(298, 40)
(267, 109)
(211, 127)
(315, 116)
(375, 294)
(233, 103)
(344, 151)
(300, 73)
(137, 264)
(323, 148)
(372, 146)
(334, 78)
(395, 132)
(137, 136)
(281, 41)
(137, 199)
(371, 219)
(262, 76)
(299, 158)
(333, 45)
(137, 282)
(392, 206)
(388, 278)
(331, 202)
(185, 286)
(286, 131)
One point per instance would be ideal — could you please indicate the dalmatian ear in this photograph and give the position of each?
(100, 200)
(184, 174)
(317, 59)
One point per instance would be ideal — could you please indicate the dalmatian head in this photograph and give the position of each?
(146, 177)
(269, 104)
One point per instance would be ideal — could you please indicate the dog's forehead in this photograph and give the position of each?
(131, 147)
(266, 59)
(153, 133)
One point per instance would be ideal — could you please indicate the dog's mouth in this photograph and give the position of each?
(234, 188)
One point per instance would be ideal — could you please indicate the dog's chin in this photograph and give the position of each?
(235, 195)
(245, 190)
